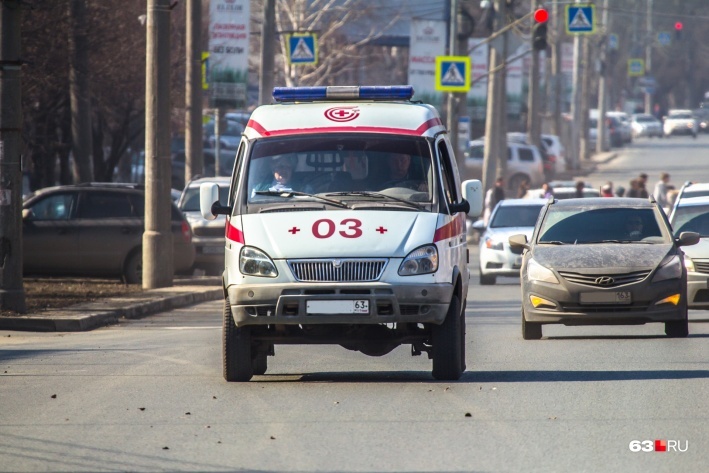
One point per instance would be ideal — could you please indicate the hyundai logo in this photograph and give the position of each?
(604, 281)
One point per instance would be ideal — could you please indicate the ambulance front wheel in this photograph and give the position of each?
(448, 344)
(237, 361)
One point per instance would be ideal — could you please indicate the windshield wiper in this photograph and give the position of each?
(289, 194)
(378, 195)
(553, 242)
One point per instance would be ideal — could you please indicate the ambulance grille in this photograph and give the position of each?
(337, 270)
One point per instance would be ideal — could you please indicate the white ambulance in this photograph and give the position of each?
(345, 225)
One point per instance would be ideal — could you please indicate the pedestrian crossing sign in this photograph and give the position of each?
(636, 67)
(302, 48)
(452, 73)
(580, 19)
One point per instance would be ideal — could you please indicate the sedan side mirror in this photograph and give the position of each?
(688, 239)
(518, 241)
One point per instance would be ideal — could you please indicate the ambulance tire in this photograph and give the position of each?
(448, 346)
(237, 361)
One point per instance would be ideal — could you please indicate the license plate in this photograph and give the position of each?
(610, 297)
(212, 250)
(338, 307)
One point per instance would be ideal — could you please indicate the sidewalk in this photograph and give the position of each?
(91, 315)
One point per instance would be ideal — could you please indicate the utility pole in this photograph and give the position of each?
(576, 104)
(157, 238)
(452, 109)
(79, 93)
(194, 156)
(12, 292)
(603, 82)
(495, 104)
(584, 151)
(556, 66)
(268, 41)
(648, 55)
(533, 118)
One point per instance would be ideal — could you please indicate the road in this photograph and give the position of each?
(147, 395)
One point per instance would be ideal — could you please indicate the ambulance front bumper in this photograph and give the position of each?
(294, 303)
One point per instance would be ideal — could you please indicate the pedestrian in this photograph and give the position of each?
(492, 197)
(620, 191)
(661, 188)
(607, 190)
(547, 191)
(579, 189)
(634, 190)
(642, 178)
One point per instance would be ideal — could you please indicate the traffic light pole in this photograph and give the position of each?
(533, 119)
(648, 56)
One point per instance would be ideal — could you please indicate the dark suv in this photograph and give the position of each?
(94, 229)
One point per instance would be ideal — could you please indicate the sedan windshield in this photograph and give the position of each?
(343, 166)
(516, 216)
(584, 225)
(694, 218)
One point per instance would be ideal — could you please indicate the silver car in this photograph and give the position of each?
(208, 234)
(524, 163)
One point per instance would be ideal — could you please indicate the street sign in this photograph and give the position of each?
(580, 19)
(612, 41)
(453, 73)
(636, 67)
(664, 38)
(302, 48)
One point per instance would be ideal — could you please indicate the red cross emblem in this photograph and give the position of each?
(294, 230)
(381, 230)
(342, 114)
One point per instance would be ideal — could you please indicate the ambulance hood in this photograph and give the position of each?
(327, 234)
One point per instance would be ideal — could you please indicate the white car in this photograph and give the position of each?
(681, 122)
(646, 125)
(524, 163)
(555, 148)
(626, 129)
(510, 217)
(692, 215)
(689, 190)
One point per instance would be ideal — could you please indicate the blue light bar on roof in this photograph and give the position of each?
(309, 94)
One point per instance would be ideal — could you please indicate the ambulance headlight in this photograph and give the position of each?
(254, 262)
(422, 260)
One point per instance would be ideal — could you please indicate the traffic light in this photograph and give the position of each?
(678, 30)
(539, 30)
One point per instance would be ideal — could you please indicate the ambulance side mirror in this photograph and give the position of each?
(472, 191)
(209, 205)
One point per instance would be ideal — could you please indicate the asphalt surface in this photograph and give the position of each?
(184, 292)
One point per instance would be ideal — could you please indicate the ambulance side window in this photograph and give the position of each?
(238, 165)
(449, 187)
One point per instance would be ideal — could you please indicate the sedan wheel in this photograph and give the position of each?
(677, 329)
(133, 268)
(531, 330)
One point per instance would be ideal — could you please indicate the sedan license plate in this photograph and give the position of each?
(338, 307)
(610, 297)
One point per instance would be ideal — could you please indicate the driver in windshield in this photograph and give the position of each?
(400, 175)
(282, 175)
(634, 228)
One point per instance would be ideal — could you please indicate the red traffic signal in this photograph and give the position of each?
(678, 26)
(541, 15)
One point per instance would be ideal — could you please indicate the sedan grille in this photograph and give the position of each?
(605, 280)
(337, 270)
(701, 266)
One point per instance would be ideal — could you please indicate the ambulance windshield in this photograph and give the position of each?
(351, 164)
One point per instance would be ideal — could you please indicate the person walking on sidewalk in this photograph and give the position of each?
(661, 189)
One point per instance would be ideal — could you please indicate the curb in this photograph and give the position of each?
(91, 315)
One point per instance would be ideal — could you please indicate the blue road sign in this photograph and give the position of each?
(302, 48)
(664, 38)
(580, 19)
(612, 41)
(452, 73)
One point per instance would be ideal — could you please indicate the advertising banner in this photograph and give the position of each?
(428, 40)
(228, 51)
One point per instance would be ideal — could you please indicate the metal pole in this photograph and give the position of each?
(452, 109)
(556, 66)
(268, 48)
(194, 156)
(12, 293)
(493, 110)
(648, 56)
(157, 238)
(533, 118)
(603, 84)
(576, 105)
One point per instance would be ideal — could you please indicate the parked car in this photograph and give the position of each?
(615, 131)
(510, 216)
(226, 163)
(692, 215)
(229, 134)
(646, 125)
(94, 229)
(556, 148)
(680, 122)
(688, 190)
(702, 115)
(626, 129)
(564, 192)
(603, 261)
(548, 158)
(524, 163)
(208, 234)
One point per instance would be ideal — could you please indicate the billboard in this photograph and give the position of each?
(228, 51)
(428, 40)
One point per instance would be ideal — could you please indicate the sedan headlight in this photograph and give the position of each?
(670, 270)
(689, 264)
(422, 260)
(254, 262)
(490, 243)
(537, 272)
